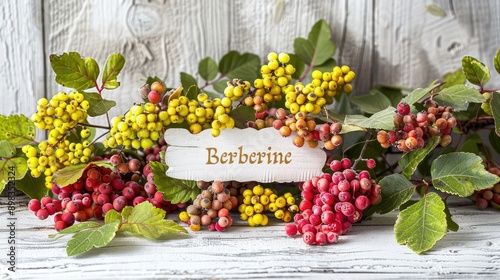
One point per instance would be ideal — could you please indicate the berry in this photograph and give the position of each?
(403, 108)
(291, 229)
(370, 163)
(154, 97)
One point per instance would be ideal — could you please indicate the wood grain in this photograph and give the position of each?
(368, 251)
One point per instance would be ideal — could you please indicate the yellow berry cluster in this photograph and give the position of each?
(140, 127)
(276, 76)
(259, 199)
(62, 114)
(310, 98)
(202, 113)
(236, 89)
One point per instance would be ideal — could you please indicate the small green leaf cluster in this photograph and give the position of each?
(143, 220)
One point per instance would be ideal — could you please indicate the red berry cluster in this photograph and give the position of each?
(99, 190)
(490, 196)
(411, 131)
(210, 208)
(331, 203)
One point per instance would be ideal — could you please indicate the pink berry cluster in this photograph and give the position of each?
(411, 131)
(331, 203)
(153, 153)
(99, 190)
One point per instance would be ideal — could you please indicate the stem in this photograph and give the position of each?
(362, 151)
(304, 75)
(99, 137)
(212, 82)
(95, 126)
(490, 90)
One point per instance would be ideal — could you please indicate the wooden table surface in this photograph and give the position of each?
(243, 252)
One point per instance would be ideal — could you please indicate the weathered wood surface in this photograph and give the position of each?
(385, 42)
(368, 251)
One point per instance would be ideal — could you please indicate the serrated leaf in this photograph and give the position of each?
(98, 105)
(418, 94)
(495, 109)
(17, 129)
(75, 228)
(7, 149)
(112, 68)
(92, 68)
(174, 190)
(12, 169)
(422, 224)
(318, 47)
(111, 216)
(242, 115)
(435, 10)
(126, 211)
(396, 190)
(454, 78)
(475, 71)
(84, 241)
(451, 225)
(371, 103)
(460, 174)
(381, 120)
(32, 187)
(496, 61)
(70, 174)
(459, 97)
(207, 68)
(71, 71)
(410, 161)
(245, 66)
(148, 221)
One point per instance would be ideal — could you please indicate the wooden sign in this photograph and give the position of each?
(240, 155)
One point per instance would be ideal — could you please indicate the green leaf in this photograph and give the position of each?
(318, 47)
(496, 61)
(7, 149)
(242, 115)
(12, 169)
(150, 80)
(70, 174)
(381, 120)
(112, 68)
(454, 78)
(495, 109)
(460, 174)
(76, 228)
(84, 241)
(422, 224)
(327, 66)
(174, 190)
(459, 97)
(410, 161)
(92, 68)
(190, 85)
(298, 64)
(396, 190)
(17, 129)
(71, 71)
(245, 66)
(494, 141)
(32, 187)
(418, 94)
(220, 86)
(148, 221)
(470, 146)
(475, 71)
(394, 94)
(111, 216)
(98, 105)
(449, 221)
(371, 103)
(126, 211)
(207, 68)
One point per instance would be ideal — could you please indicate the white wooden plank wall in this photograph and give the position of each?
(385, 42)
